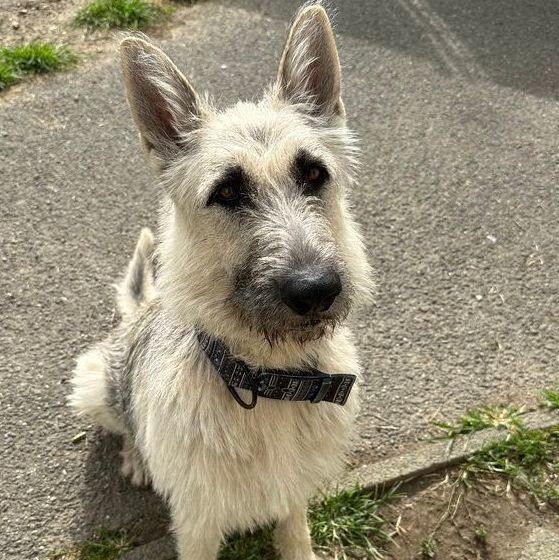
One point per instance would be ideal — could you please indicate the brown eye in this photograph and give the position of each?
(227, 194)
(231, 189)
(313, 174)
(310, 173)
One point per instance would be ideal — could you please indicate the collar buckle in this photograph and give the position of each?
(325, 384)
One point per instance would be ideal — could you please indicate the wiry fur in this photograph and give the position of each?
(221, 467)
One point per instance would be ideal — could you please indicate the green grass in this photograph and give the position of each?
(528, 459)
(490, 416)
(524, 460)
(480, 534)
(106, 545)
(551, 398)
(427, 549)
(349, 524)
(32, 58)
(7, 75)
(122, 14)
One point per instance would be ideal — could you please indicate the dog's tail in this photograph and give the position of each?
(93, 381)
(137, 288)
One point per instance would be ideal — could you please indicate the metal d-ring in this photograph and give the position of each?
(244, 404)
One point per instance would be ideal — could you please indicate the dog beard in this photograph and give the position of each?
(287, 329)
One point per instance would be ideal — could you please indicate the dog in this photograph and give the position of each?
(230, 374)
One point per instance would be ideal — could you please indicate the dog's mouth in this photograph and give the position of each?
(302, 330)
(310, 324)
(312, 328)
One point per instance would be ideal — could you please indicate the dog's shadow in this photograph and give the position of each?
(111, 503)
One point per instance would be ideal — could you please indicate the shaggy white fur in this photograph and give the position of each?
(223, 468)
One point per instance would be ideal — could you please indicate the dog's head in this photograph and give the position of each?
(256, 233)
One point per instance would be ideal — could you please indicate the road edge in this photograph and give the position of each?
(436, 455)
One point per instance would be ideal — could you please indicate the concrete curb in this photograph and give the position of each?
(433, 457)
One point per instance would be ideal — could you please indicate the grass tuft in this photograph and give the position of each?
(32, 58)
(127, 14)
(349, 524)
(7, 75)
(427, 549)
(480, 534)
(106, 545)
(475, 420)
(551, 398)
(527, 458)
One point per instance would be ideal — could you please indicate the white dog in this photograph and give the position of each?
(230, 376)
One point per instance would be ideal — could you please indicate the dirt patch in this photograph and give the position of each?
(486, 521)
(39, 20)
(23, 21)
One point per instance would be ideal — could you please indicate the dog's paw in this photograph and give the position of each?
(133, 467)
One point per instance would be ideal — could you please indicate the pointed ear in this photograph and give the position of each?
(164, 105)
(309, 70)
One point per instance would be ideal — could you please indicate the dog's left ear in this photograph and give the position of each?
(309, 70)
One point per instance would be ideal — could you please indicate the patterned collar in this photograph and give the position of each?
(287, 385)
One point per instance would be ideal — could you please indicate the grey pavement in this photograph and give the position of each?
(456, 105)
(543, 544)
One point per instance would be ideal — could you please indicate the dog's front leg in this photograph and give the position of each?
(293, 536)
(195, 542)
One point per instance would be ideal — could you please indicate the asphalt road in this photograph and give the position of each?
(456, 105)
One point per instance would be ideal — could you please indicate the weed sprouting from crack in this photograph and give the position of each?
(525, 460)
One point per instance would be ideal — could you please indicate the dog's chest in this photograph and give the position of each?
(274, 430)
(259, 462)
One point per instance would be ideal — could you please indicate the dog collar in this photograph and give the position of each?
(286, 385)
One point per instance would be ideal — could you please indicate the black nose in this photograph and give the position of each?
(311, 289)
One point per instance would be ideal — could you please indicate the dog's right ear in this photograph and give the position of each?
(164, 105)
